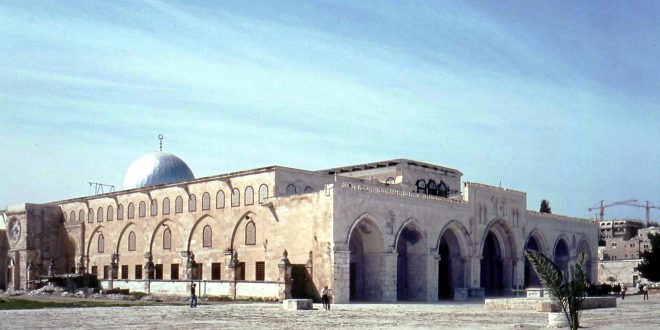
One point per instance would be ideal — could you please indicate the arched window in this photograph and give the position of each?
(206, 201)
(142, 209)
(153, 208)
(421, 187)
(390, 180)
(81, 216)
(131, 241)
(250, 233)
(235, 197)
(263, 193)
(111, 215)
(131, 211)
(72, 216)
(99, 214)
(249, 196)
(308, 189)
(432, 188)
(100, 244)
(291, 189)
(120, 212)
(443, 190)
(166, 206)
(90, 215)
(178, 205)
(167, 239)
(207, 236)
(192, 203)
(220, 200)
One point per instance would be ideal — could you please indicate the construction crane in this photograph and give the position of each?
(601, 205)
(648, 208)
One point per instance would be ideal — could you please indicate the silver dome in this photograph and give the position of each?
(156, 168)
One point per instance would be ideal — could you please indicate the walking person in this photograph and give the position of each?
(325, 298)
(623, 291)
(645, 291)
(193, 296)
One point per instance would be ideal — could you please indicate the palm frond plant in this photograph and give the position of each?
(569, 294)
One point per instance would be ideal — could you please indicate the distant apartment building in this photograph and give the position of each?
(619, 229)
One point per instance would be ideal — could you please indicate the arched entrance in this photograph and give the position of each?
(411, 264)
(583, 248)
(451, 267)
(562, 256)
(496, 262)
(366, 260)
(531, 278)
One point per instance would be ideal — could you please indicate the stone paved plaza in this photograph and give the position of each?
(633, 313)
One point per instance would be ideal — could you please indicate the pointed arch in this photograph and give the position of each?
(245, 217)
(362, 217)
(165, 224)
(91, 238)
(411, 266)
(249, 196)
(452, 249)
(153, 208)
(121, 235)
(460, 232)
(498, 252)
(213, 220)
(99, 214)
(166, 206)
(167, 239)
(220, 199)
(207, 237)
(206, 201)
(263, 193)
(110, 216)
(537, 235)
(415, 223)
(178, 205)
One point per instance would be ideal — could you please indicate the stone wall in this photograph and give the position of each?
(621, 270)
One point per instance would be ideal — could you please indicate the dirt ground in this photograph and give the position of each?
(633, 313)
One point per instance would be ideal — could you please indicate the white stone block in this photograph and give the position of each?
(297, 304)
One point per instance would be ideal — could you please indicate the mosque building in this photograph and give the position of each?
(395, 230)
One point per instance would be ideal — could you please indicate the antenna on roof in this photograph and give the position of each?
(99, 188)
(160, 137)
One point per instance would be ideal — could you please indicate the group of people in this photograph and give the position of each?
(643, 288)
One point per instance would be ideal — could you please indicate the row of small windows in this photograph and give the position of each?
(291, 189)
(207, 238)
(178, 205)
(431, 188)
(216, 271)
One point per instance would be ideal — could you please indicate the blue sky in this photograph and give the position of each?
(558, 99)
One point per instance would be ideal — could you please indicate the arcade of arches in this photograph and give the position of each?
(415, 271)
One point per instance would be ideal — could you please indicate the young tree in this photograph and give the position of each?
(545, 207)
(649, 268)
(570, 294)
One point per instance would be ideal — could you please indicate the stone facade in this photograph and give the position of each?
(386, 231)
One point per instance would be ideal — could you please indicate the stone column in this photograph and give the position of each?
(309, 267)
(285, 276)
(388, 276)
(188, 259)
(113, 270)
(475, 288)
(341, 268)
(432, 260)
(149, 271)
(232, 266)
(51, 268)
(29, 274)
(80, 265)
